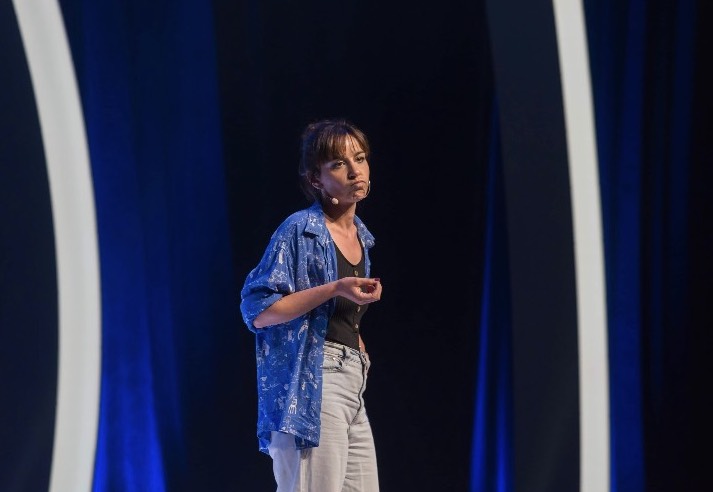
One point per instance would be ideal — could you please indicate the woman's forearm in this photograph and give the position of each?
(289, 307)
(296, 304)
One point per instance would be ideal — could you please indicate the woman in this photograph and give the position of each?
(304, 301)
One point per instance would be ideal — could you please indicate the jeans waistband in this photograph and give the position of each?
(344, 349)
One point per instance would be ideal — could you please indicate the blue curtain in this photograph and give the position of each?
(147, 76)
(643, 65)
(492, 460)
(616, 44)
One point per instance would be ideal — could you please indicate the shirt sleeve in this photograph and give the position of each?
(273, 278)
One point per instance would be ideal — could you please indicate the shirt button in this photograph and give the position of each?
(356, 326)
(358, 308)
(356, 273)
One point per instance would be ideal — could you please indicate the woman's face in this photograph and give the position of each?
(347, 177)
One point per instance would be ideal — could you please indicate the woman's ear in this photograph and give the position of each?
(314, 181)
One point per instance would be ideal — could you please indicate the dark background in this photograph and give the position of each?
(417, 79)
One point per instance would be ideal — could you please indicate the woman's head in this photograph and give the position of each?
(324, 141)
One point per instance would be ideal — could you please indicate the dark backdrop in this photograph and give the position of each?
(417, 79)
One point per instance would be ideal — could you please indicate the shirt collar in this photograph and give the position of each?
(317, 226)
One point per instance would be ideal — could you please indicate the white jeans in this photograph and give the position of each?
(345, 460)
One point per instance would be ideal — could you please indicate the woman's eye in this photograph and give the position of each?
(338, 164)
(360, 159)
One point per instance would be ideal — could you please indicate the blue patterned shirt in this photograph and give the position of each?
(300, 255)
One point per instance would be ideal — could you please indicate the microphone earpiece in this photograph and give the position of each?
(334, 201)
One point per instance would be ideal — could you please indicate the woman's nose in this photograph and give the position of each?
(353, 171)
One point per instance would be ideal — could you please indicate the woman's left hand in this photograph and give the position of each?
(360, 290)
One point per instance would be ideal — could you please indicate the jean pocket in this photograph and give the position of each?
(332, 363)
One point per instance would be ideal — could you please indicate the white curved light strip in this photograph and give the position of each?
(76, 249)
(589, 246)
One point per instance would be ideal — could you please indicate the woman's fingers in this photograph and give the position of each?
(361, 290)
(371, 288)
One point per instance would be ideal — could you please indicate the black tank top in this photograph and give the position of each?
(344, 323)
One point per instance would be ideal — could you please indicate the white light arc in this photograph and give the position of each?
(76, 249)
(589, 246)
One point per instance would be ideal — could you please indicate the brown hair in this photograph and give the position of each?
(322, 142)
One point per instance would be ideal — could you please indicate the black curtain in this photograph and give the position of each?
(417, 79)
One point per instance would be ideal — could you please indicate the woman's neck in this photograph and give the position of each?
(339, 217)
